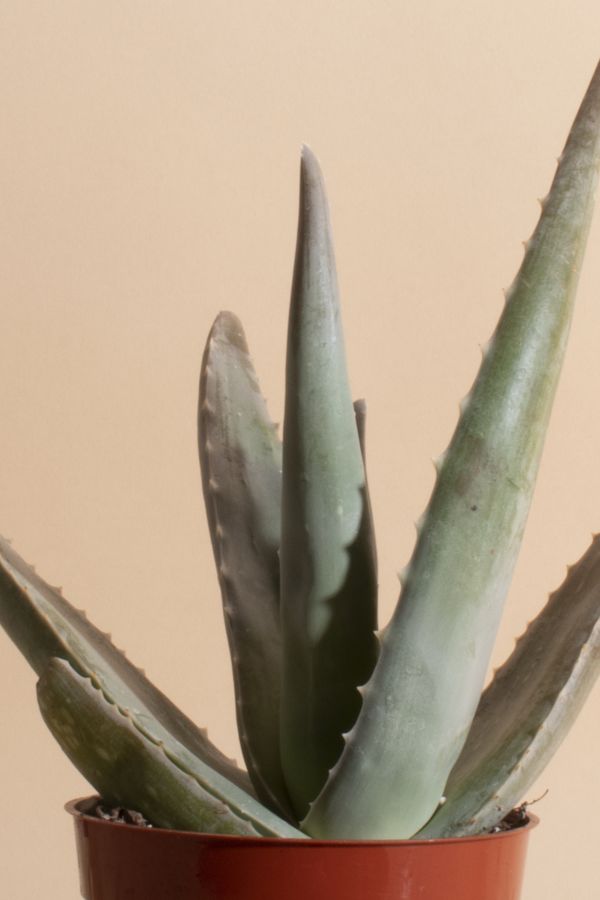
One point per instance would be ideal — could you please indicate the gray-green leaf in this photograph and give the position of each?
(43, 625)
(240, 459)
(528, 707)
(130, 769)
(328, 574)
(419, 705)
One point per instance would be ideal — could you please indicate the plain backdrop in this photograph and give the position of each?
(148, 174)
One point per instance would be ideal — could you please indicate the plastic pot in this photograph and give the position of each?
(126, 862)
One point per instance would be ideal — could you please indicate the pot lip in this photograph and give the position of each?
(79, 809)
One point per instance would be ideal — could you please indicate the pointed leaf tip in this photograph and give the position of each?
(312, 183)
(308, 157)
(227, 327)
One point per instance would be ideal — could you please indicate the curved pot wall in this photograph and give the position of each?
(124, 861)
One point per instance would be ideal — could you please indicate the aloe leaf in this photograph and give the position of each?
(328, 578)
(367, 524)
(419, 705)
(529, 706)
(130, 769)
(43, 625)
(240, 458)
(360, 417)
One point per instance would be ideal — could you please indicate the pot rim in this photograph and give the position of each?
(79, 809)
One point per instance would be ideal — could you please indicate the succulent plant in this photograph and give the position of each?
(346, 731)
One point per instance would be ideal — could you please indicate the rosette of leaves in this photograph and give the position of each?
(347, 731)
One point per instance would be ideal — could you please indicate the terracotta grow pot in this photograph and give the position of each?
(126, 862)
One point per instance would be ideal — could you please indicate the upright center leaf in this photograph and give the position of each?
(328, 578)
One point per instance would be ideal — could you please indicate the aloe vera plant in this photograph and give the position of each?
(347, 731)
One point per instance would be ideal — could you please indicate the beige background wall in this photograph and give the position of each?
(148, 177)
